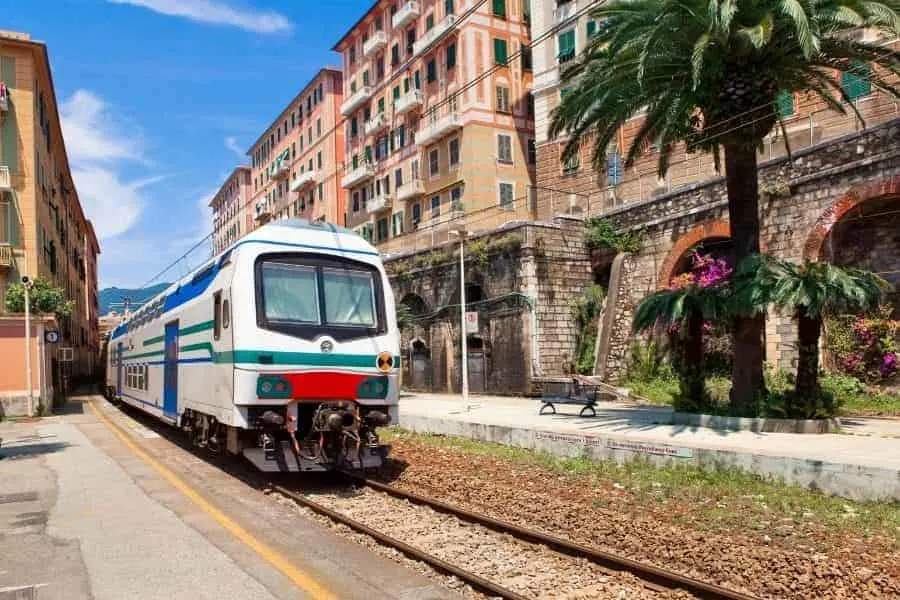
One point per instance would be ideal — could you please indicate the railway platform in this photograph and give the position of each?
(861, 462)
(96, 505)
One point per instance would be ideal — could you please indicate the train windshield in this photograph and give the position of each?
(306, 297)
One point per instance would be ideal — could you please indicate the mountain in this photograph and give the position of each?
(113, 298)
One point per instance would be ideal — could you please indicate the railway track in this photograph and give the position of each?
(651, 577)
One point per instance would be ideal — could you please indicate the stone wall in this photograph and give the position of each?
(798, 200)
(527, 275)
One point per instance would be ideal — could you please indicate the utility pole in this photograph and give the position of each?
(462, 316)
(27, 283)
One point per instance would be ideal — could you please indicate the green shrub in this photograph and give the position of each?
(585, 309)
(600, 233)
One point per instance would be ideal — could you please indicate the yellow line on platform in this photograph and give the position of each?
(271, 556)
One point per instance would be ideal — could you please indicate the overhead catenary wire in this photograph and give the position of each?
(398, 73)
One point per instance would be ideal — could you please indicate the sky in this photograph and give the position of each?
(160, 100)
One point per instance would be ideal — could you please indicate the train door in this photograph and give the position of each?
(222, 382)
(118, 359)
(170, 371)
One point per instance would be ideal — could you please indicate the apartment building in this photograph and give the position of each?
(230, 208)
(295, 163)
(438, 116)
(577, 187)
(43, 229)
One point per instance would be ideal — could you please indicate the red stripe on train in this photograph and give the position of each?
(324, 385)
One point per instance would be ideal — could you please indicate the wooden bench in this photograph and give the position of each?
(569, 392)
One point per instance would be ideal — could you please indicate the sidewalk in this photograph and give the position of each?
(862, 462)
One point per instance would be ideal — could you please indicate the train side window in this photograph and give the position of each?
(226, 314)
(217, 315)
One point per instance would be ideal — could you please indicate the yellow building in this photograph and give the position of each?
(43, 229)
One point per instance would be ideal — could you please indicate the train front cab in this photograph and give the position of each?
(331, 360)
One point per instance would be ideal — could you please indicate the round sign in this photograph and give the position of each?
(51, 337)
(385, 362)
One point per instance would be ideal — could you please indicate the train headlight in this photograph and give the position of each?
(373, 388)
(273, 386)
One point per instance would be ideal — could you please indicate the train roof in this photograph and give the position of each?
(296, 233)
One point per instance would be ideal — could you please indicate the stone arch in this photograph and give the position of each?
(855, 196)
(415, 303)
(710, 229)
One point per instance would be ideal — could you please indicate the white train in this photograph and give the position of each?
(284, 348)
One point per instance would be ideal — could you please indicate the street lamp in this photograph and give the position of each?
(461, 232)
(28, 284)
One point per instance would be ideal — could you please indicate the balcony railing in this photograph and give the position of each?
(6, 256)
(303, 180)
(5, 180)
(408, 102)
(411, 189)
(433, 34)
(280, 170)
(376, 124)
(432, 130)
(565, 11)
(375, 43)
(357, 99)
(407, 13)
(378, 204)
(358, 175)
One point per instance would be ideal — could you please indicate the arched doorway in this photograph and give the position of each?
(420, 365)
(712, 236)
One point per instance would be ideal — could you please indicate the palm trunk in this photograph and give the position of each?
(809, 329)
(693, 388)
(743, 213)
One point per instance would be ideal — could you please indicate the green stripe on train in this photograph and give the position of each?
(204, 326)
(263, 357)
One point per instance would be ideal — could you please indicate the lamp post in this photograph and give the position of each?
(462, 315)
(26, 284)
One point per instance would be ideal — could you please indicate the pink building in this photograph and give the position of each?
(231, 213)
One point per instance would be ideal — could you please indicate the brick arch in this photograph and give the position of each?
(709, 229)
(854, 197)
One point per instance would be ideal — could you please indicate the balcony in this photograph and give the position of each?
(263, 213)
(433, 130)
(378, 203)
(304, 180)
(410, 190)
(358, 175)
(357, 99)
(407, 13)
(6, 257)
(564, 12)
(431, 36)
(408, 102)
(280, 170)
(377, 123)
(375, 43)
(5, 180)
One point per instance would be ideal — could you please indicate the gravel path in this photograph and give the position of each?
(791, 563)
(528, 569)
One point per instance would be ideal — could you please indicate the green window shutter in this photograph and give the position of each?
(567, 45)
(417, 80)
(396, 92)
(429, 22)
(856, 81)
(432, 71)
(368, 154)
(591, 28)
(366, 77)
(451, 56)
(499, 51)
(500, 8)
(448, 7)
(785, 103)
(405, 84)
(8, 135)
(381, 104)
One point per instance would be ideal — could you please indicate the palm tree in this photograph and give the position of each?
(708, 73)
(811, 291)
(687, 308)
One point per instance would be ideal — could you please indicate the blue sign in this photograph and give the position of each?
(51, 337)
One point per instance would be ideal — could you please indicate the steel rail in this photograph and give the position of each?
(654, 575)
(477, 582)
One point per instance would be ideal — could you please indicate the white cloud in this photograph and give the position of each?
(231, 144)
(217, 13)
(98, 145)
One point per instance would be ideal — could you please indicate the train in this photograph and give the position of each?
(283, 348)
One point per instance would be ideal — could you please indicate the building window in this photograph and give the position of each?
(431, 71)
(381, 233)
(398, 178)
(416, 214)
(591, 28)
(429, 22)
(395, 55)
(502, 99)
(614, 168)
(319, 159)
(506, 195)
(355, 201)
(354, 128)
(318, 127)
(500, 8)
(456, 204)
(572, 165)
(785, 104)
(526, 57)
(381, 105)
(454, 152)
(448, 7)
(434, 166)
(856, 82)
(451, 56)
(435, 206)
(321, 193)
(352, 57)
(397, 224)
(366, 78)
(410, 39)
(504, 149)
(566, 46)
(500, 53)
(532, 152)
